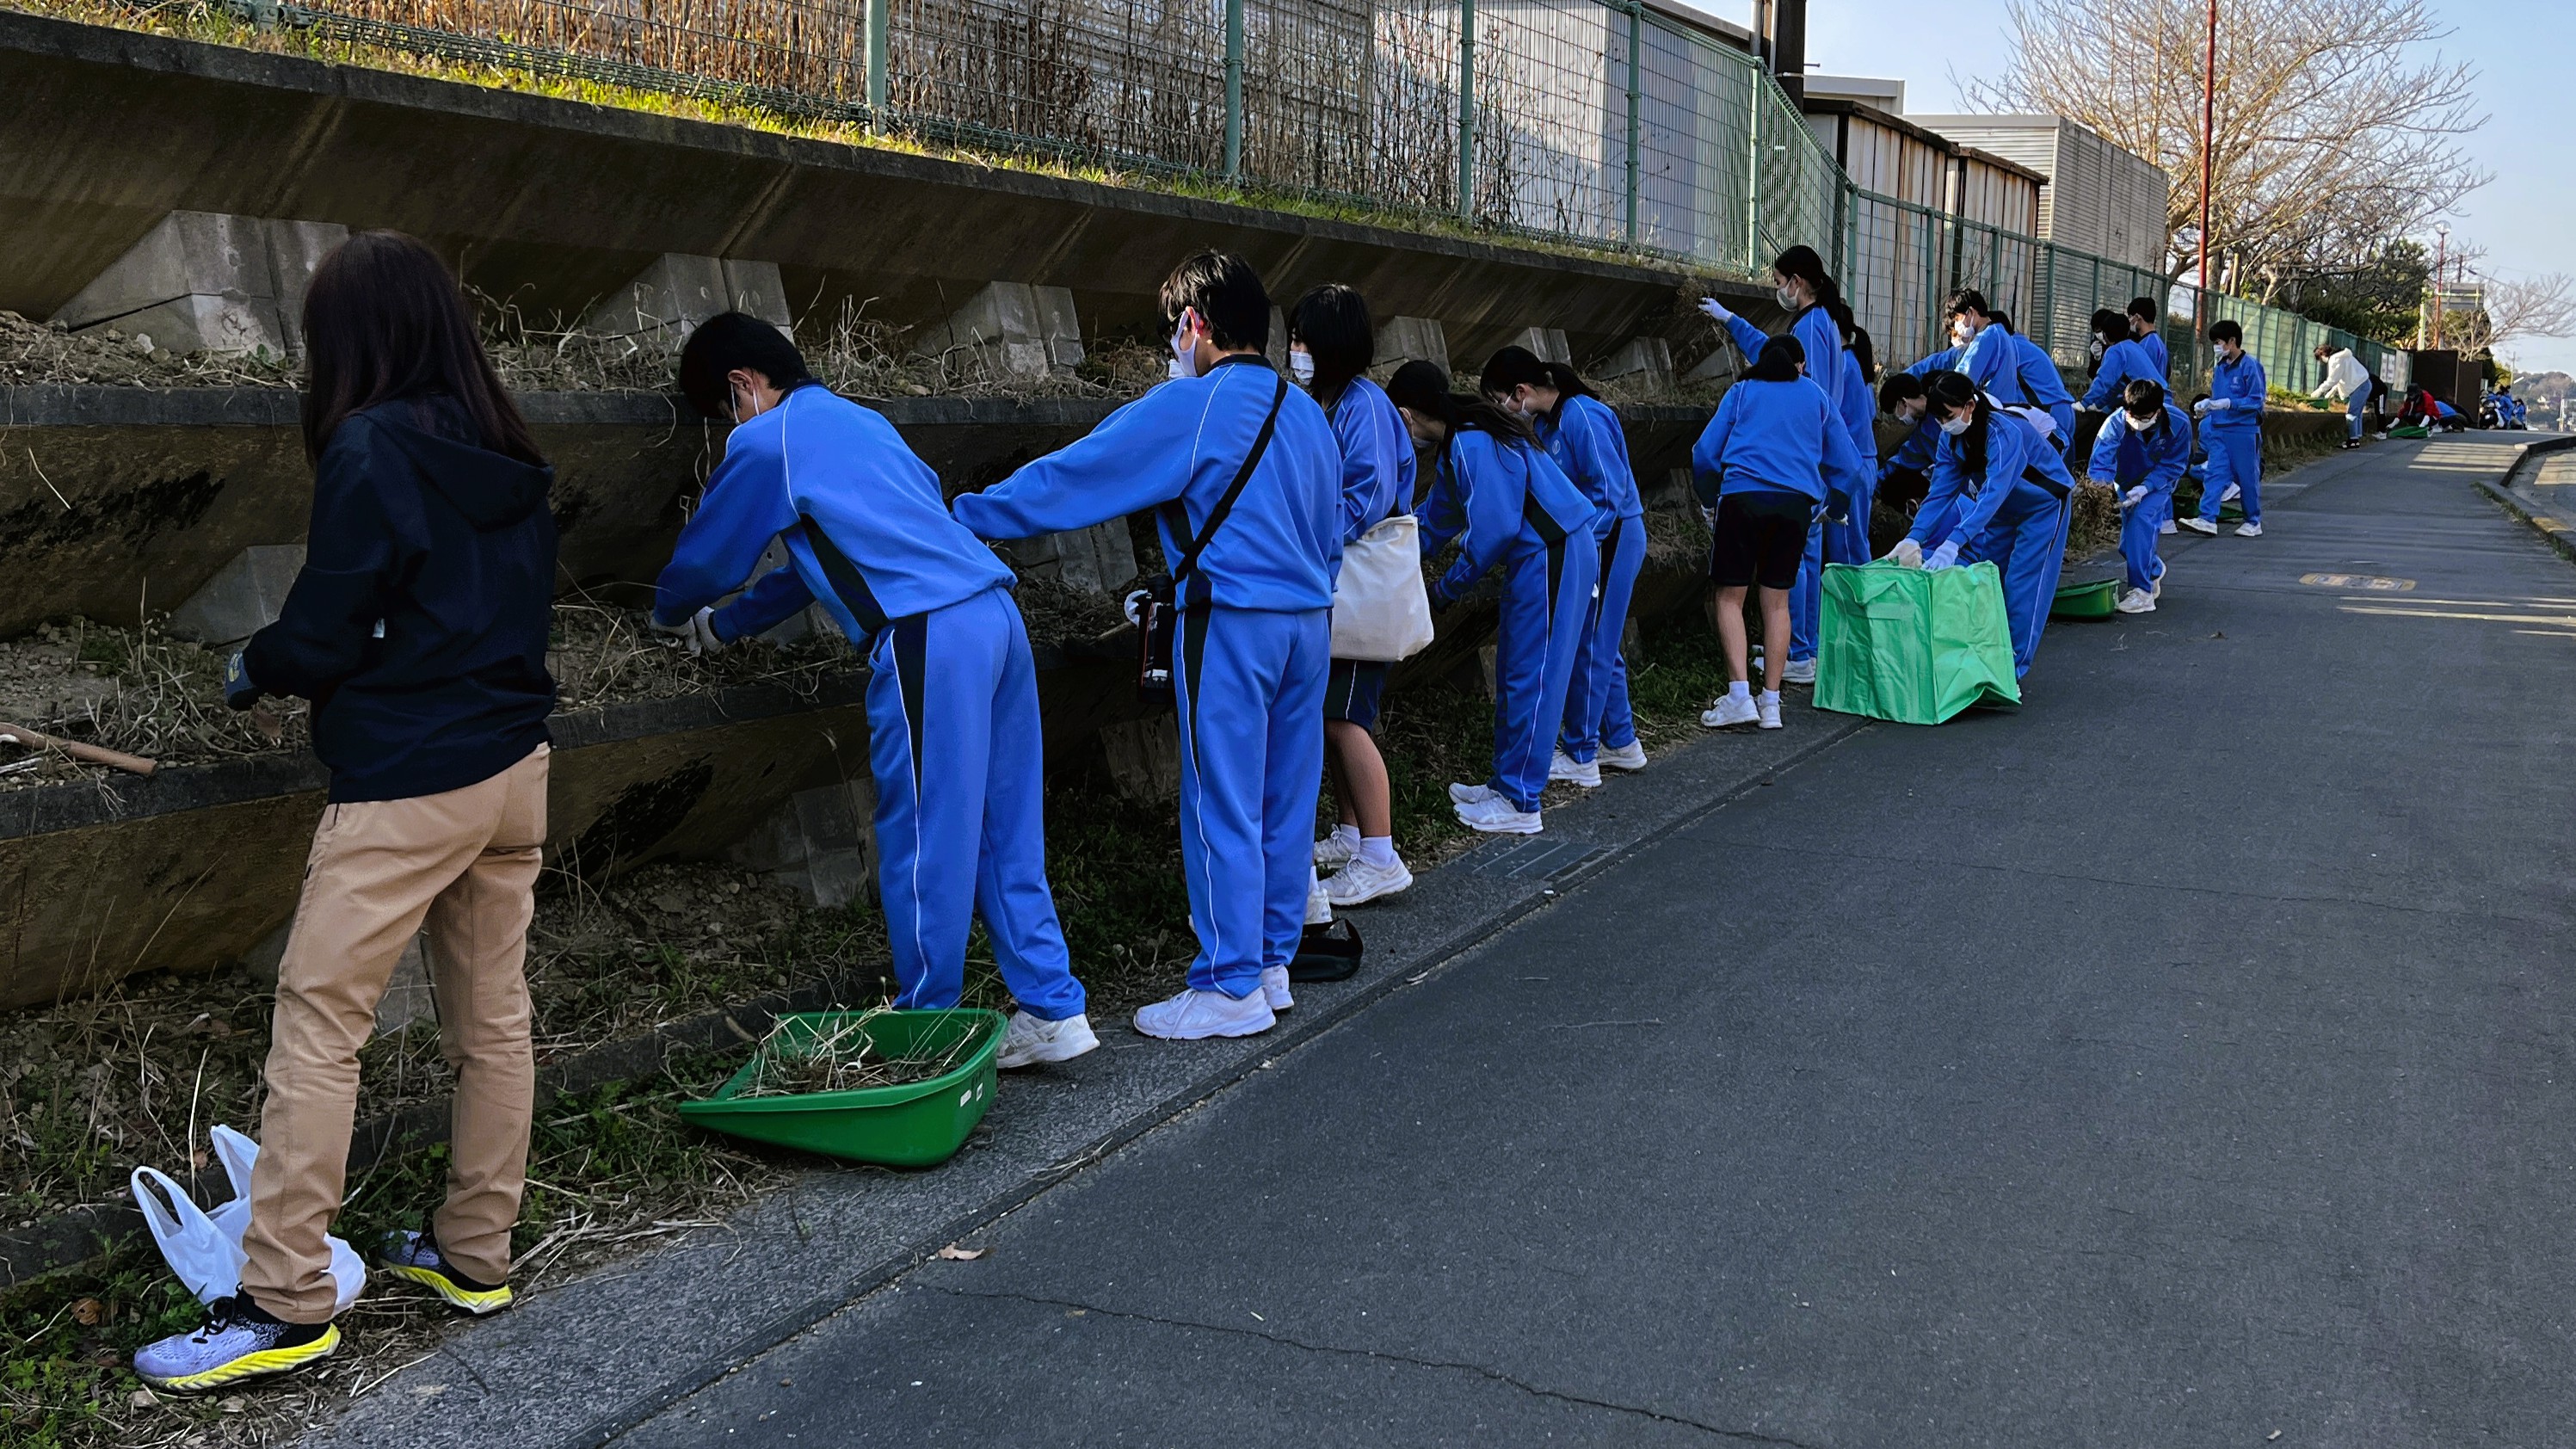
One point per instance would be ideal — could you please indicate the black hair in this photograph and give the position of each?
(1856, 342)
(1333, 321)
(2110, 329)
(1513, 367)
(2144, 309)
(385, 321)
(728, 341)
(1966, 299)
(2143, 397)
(2000, 319)
(1950, 391)
(1422, 386)
(2226, 330)
(1803, 263)
(1226, 293)
(1900, 387)
(1781, 357)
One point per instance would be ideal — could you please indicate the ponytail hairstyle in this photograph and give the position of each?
(1514, 367)
(1802, 263)
(1951, 391)
(1781, 358)
(2000, 319)
(1423, 387)
(1333, 321)
(1865, 352)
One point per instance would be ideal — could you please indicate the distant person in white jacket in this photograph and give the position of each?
(2347, 379)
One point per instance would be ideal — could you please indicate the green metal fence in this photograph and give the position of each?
(1600, 122)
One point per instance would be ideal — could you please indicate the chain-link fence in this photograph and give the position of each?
(1600, 122)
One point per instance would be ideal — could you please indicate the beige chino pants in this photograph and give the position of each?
(465, 862)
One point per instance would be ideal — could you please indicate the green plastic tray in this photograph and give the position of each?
(2096, 600)
(918, 1124)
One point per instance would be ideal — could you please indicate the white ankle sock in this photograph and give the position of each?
(1348, 835)
(1771, 697)
(1740, 689)
(1378, 850)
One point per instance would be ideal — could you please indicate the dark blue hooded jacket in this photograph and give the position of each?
(418, 625)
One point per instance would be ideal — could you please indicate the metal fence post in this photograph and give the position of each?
(1636, 44)
(1467, 110)
(1233, 90)
(1753, 172)
(877, 62)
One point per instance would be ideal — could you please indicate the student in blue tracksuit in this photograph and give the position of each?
(1821, 321)
(1775, 458)
(2124, 360)
(2148, 333)
(2022, 376)
(2142, 451)
(1999, 493)
(1251, 646)
(1847, 542)
(2232, 429)
(1330, 346)
(2036, 377)
(952, 692)
(1508, 505)
(1584, 438)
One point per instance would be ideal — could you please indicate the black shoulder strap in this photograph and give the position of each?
(1179, 518)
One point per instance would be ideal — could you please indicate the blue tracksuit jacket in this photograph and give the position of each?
(2015, 516)
(2154, 460)
(1377, 457)
(1589, 445)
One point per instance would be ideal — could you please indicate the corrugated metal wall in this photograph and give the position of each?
(2099, 198)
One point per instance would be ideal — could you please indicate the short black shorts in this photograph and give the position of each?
(1353, 690)
(1761, 537)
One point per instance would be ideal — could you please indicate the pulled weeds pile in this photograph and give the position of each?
(797, 1060)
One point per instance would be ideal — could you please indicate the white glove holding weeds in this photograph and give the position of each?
(698, 631)
(1906, 552)
(1714, 310)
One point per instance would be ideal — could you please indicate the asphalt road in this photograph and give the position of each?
(2171, 1062)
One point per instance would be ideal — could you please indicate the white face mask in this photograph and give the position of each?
(1185, 347)
(1788, 299)
(1302, 363)
(1961, 331)
(2138, 426)
(1953, 427)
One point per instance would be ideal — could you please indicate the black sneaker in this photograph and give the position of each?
(414, 1258)
(239, 1340)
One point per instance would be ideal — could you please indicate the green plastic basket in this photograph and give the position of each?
(918, 1124)
(2096, 600)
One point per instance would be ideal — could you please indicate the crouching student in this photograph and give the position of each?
(953, 735)
(1245, 478)
(1904, 476)
(2142, 451)
(1999, 493)
(418, 627)
(1584, 439)
(2232, 430)
(1330, 347)
(1774, 458)
(1507, 504)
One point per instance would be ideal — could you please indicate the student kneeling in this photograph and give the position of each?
(953, 733)
(2142, 450)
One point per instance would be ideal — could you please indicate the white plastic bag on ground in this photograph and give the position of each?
(205, 1249)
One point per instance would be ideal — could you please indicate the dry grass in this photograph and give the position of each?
(34, 353)
(798, 1060)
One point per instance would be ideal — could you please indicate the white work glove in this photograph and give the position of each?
(2134, 497)
(1708, 518)
(1906, 552)
(1715, 311)
(698, 631)
(1942, 557)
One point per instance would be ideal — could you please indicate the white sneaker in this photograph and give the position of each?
(2234, 492)
(1798, 671)
(1766, 710)
(1630, 756)
(1498, 816)
(1194, 1015)
(2156, 587)
(1587, 774)
(2136, 601)
(1730, 709)
(1274, 988)
(2249, 530)
(1319, 903)
(1470, 794)
(1333, 852)
(1028, 1041)
(2199, 525)
(1363, 881)
(2165, 527)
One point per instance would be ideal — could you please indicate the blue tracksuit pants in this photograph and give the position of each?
(1847, 542)
(1547, 614)
(1249, 684)
(2026, 542)
(1807, 596)
(1596, 700)
(2235, 456)
(2138, 529)
(961, 807)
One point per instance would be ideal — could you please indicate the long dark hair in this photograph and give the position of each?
(1516, 366)
(1423, 387)
(1803, 263)
(1865, 352)
(1333, 321)
(385, 321)
(2110, 329)
(1779, 362)
(1950, 391)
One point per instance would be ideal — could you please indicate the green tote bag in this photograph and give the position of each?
(1913, 646)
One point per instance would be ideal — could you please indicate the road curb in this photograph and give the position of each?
(2558, 534)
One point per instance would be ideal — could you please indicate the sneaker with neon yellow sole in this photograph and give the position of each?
(414, 1258)
(238, 1341)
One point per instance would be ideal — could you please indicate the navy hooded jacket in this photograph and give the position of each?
(418, 625)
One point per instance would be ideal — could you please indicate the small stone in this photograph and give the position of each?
(140, 1399)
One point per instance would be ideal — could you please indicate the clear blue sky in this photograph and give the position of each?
(2524, 49)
